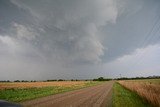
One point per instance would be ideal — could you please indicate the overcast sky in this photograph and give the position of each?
(79, 39)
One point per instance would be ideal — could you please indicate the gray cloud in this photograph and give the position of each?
(70, 27)
(73, 38)
(136, 27)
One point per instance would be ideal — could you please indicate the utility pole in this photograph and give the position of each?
(120, 75)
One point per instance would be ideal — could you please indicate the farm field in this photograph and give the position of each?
(9, 85)
(20, 91)
(148, 89)
(124, 93)
(123, 97)
(95, 96)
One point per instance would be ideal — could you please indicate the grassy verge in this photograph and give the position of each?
(123, 97)
(18, 95)
(147, 89)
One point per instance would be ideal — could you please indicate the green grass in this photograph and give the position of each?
(18, 95)
(123, 97)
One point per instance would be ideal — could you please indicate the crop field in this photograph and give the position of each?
(21, 91)
(148, 89)
(9, 85)
(133, 93)
(123, 97)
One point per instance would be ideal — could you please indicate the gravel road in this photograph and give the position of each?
(95, 96)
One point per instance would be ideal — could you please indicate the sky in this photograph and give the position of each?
(79, 39)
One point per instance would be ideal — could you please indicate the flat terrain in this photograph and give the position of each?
(149, 89)
(10, 85)
(95, 96)
(22, 91)
(123, 97)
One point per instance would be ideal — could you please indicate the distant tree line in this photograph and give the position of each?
(24, 81)
(5, 81)
(135, 78)
(18, 81)
(102, 79)
(43, 81)
(96, 79)
(62, 80)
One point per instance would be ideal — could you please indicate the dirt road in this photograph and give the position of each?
(96, 96)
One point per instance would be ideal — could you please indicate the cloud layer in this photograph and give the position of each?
(75, 38)
(72, 26)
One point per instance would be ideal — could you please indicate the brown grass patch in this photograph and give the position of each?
(39, 84)
(145, 89)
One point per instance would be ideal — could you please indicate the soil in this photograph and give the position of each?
(95, 96)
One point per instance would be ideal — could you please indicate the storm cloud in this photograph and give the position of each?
(50, 39)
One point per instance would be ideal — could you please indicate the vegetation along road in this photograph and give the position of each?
(95, 96)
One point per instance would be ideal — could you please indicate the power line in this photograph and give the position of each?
(147, 40)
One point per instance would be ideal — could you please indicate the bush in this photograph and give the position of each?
(17, 81)
(101, 79)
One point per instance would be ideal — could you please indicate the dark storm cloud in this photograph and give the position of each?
(11, 13)
(73, 38)
(70, 27)
(136, 27)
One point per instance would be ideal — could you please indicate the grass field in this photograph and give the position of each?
(9, 85)
(18, 92)
(148, 89)
(123, 97)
